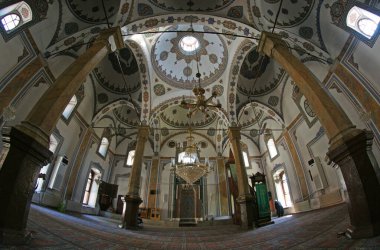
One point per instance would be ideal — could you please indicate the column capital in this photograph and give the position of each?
(143, 132)
(268, 41)
(234, 133)
(220, 157)
(117, 40)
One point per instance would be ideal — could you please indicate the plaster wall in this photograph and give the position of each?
(86, 107)
(367, 60)
(12, 50)
(92, 159)
(285, 161)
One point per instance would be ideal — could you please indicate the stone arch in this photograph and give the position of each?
(193, 132)
(244, 48)
(138, 52)
(218, 23)
(268, 110)
(111, 106)
(221, 113)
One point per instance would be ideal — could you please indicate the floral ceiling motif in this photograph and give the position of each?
(108, 73)
(176, 117)
(259, 75)
(178, 67)
(191, 5)
(126, 115)
(90, 11)
(292, 12)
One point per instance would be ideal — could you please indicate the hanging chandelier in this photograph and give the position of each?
(188, 166)
(202, 104)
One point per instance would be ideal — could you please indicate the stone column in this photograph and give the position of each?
(132, 198)
(18, 178)
(222, 180)
(297, 165)
(30, 140)
(74, 173)
(349, 147)
(245, 198)
(47, 111)
(153, 183)
(19, 82)
(357, 164)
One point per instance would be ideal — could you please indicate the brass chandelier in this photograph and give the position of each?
(202, 104)
(188, 166)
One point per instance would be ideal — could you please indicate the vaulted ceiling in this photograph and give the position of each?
(155, 74)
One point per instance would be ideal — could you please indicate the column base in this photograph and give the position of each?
(246, 211)
(14, 237)
(130, 212)
(18, 177)
(358, 233)
(354, 157)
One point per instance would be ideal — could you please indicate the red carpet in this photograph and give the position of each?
(312, 230)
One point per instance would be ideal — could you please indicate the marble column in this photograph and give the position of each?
(153, 182)
(132, 198)
(350, 148)
(245, 198)
(222, 180)
(29, 149)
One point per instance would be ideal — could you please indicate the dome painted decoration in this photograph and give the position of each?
(292, 13)
(90, 11)
(259, 81)
(218, 89)
(175, 56)
(108, 73)
(250, 117)
(254, 65)
(191, 5)
(126, 115)
(159, 89)
(176, 116)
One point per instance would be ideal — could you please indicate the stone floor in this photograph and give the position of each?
(312, 230)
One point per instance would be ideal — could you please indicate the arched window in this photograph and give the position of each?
(10, 21)
(70, 108)
(272, 148)
(246, 160)
(92, 186)
(103, 147)
(54, 141)
(131, 157)
(14, 18)
(362, 21)
(282, 187)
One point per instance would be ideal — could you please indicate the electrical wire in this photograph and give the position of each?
(277, 14)
(125, 85)
(105, 14)
(196, 32)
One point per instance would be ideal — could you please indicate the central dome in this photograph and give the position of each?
(189, 44)
(175, 56)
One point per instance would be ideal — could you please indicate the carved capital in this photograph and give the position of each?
(234, 133)
(268, 41)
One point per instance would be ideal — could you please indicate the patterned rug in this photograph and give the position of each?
(312, 230)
